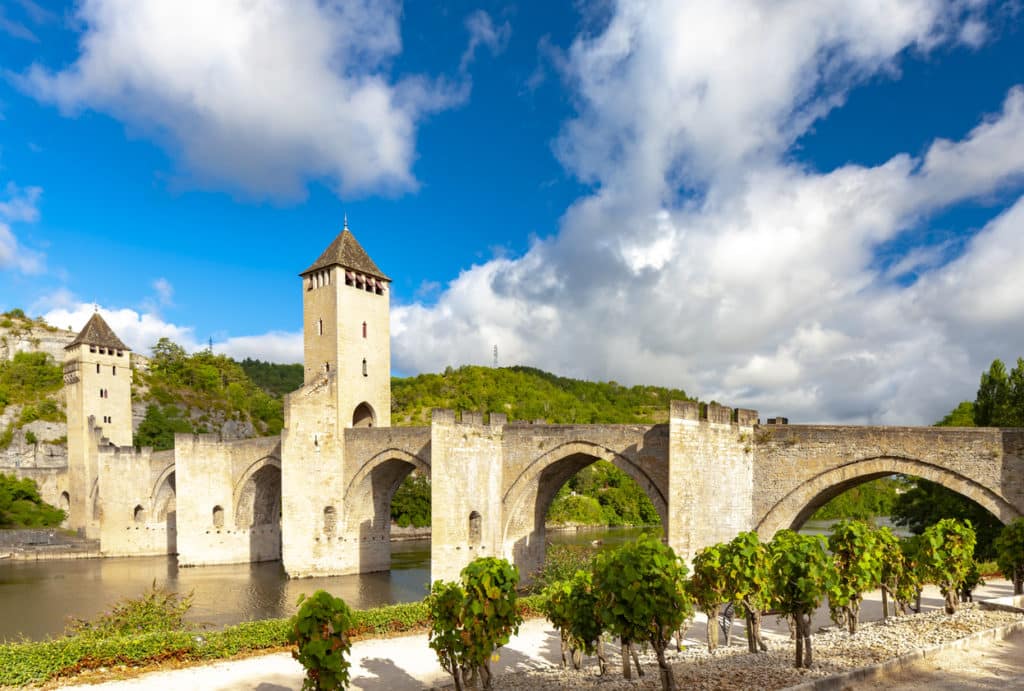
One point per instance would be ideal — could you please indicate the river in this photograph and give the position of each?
(37, 598)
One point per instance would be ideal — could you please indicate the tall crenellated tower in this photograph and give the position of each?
(98, 395)
(347, 332)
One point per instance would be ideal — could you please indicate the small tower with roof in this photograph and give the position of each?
(98, 395)
(347, 331)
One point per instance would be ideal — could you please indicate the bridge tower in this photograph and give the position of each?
(347, 332)
(98, 395)
(347, 353)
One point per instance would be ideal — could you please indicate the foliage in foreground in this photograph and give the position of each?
(471, 619)
(572, 607)
(22, 507)
(946, 555)
(857, 554)
(642, 597)
(319, 631)
(29, 662)
(802, 574)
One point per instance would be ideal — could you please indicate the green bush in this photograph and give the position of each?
(709, 587)
(946, 554)
(857, 554)
(320, 632)
(802, 574)
(642, 597)
(22, 507)
(469, 620)
(561, 562)
(572, 607)
(748, 582)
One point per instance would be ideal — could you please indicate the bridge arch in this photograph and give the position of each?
(366, 517)
(803, 500)
(525, 504)
(163, 505)
(257, 504)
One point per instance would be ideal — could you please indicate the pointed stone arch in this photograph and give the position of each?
(364, 415)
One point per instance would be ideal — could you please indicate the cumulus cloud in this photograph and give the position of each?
(18, 205)
(706, 258)
(258, 96)
(141, 330)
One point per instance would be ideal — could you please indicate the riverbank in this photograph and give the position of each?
(530, 660)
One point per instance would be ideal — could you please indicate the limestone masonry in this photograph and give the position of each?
(318, 497)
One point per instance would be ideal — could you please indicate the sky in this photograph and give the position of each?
(814, 208)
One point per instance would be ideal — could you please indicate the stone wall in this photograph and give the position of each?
(137, 519)
(710, 476)
(466, 476)
(223, 515)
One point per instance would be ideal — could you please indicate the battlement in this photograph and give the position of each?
(713, 413)
(467, 417)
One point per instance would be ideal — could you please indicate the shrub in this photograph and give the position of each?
(857, 555)
(708, 586)
(320, 631)
(642, 597)
(802, 574)
(468, 621)
(155, 611)
(946, 554)
(1010, 554)
(572, 607)
(748, 582)
(561, 562)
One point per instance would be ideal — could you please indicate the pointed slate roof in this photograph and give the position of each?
(346, 252)
(97, 333)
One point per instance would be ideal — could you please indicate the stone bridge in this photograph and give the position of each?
(326, 508)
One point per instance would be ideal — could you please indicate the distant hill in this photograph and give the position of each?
(275, 379)
(525, 393)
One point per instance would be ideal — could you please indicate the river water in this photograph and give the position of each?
(38, 598)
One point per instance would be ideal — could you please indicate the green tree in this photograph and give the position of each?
(897, 575)
(1010, 554)
(572, 607)
(992, 405)
(946, 553)
(748, 575)
(320, 631)
(642, 597)
(961, 416)
(925, 503)
(857, 555)
(802, 574)
(410, 504)
(468, 621)
(21, 506)
(159, 426)
(709, 587)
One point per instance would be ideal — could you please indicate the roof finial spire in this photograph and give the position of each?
(345, 225)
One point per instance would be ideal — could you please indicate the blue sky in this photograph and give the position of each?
(814, 211)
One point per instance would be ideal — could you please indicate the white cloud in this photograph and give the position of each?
(18, 205)
(483, 32)
(258, 96)
(706, 258)
(141, 330)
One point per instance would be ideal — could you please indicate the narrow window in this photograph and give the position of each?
(364, 329)
(475, 528)
(364, 368)
(140, 514)
(327, 367)
(92, 349)
(218, 517)
(320, 326)
(97, 368)
(113, 370)
(120, 353)
(330, 520)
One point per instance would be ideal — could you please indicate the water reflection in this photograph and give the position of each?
(38, 598)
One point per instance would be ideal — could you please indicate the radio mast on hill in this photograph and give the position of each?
(495, 356)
